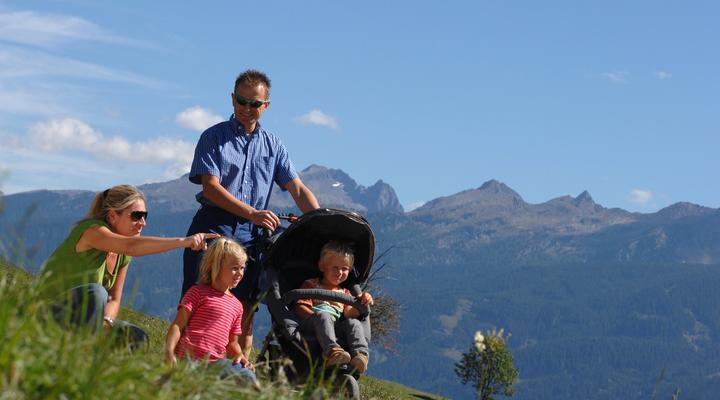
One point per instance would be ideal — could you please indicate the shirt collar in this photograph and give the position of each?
(239, 129)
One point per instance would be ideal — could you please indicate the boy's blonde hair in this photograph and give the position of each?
(214, 256)
(339, 248)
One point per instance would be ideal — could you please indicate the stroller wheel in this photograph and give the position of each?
(348, 387)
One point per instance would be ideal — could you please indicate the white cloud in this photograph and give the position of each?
(70, 133)
(662, 75)
(640, 197)
(26, 101)
(615, 77)
(317, 117)
(197, 119)
(16, 62)
(65, 133)
(31, 78)
(30, 169)
(31, 28)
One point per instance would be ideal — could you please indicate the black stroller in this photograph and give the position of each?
(291, 259)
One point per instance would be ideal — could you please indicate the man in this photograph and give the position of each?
(237, 162)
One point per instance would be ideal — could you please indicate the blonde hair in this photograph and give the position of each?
(214, 256)
(117, 198)
(339, 248)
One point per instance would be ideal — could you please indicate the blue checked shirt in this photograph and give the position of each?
(247, 166)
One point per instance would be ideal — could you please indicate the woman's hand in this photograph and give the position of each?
(198, 241)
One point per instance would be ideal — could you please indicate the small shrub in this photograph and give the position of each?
(488, 365)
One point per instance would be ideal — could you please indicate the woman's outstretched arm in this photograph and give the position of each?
(103, 239)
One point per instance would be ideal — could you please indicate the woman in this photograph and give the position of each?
(85, 275)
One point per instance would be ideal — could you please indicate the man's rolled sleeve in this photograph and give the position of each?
(206, 159)
(284, 168)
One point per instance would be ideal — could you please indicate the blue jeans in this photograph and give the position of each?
(230, 370)
(86, 307)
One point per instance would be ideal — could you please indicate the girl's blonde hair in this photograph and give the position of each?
(117, 198)
(214, 256)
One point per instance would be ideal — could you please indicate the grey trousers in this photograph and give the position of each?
(327, 332)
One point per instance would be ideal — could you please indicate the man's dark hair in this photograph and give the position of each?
(253, 77)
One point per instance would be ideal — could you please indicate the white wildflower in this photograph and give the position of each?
(479, 339)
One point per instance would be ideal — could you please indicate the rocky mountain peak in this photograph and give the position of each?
(495, 186)
(381, 197)
(584, 198)
(683, 209)
(318, 172)
(489, 199)
(499, 193)
(335, 188)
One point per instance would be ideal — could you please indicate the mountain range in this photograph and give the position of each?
(601, 302)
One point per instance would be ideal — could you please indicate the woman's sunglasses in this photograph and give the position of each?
(136, 215)
(249, 103)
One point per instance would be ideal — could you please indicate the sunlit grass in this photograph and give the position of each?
(39, 359)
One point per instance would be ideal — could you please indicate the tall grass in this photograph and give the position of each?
(39, 359)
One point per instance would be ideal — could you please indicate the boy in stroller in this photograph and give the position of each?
(291, 258)
(325, 318)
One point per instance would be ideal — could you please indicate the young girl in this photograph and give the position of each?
(328, 319)
(209, 317)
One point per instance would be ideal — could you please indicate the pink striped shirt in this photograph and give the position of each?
(214, 317)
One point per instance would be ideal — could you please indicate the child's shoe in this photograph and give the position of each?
(359, 363)
(337, 356)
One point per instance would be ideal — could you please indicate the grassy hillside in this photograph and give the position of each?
(42, 360)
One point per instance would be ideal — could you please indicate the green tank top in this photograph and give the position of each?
(66, 268)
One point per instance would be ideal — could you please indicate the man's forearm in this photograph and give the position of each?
(214, 192)
(306, 200)
(302, 195)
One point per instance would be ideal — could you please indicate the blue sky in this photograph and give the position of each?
(620, 98)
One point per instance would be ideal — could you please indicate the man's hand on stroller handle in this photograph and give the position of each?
(265, 218)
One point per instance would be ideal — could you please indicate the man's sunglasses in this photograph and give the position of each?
(136, 215)
(249, 103)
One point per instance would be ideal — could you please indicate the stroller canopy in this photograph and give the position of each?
(295, 252)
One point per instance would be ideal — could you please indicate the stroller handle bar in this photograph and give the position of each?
(328, 295)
